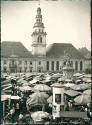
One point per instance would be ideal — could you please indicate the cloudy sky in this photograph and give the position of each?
(65, 21)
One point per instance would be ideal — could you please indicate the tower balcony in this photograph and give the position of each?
(39, 33)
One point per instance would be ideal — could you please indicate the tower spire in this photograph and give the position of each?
(39, 3)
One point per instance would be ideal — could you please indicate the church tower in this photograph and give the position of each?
(39, 36)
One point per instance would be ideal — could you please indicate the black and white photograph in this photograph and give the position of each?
(46, 62)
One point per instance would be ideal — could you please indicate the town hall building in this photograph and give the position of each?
(16, 58)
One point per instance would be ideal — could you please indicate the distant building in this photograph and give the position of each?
(16, 58)
(87, 54)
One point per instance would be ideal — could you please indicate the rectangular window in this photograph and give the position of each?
(57, 65)
(47, 65)
(58, 98)
(52, 66)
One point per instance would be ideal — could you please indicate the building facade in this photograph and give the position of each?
(16, 58)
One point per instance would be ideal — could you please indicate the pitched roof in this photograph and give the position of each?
(57, 50)
(11, 49)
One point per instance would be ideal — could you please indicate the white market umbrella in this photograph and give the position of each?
(69, 84)
(48, 78)
(33, 81)
(39, 115)
(25, 88)
(87, 76)
(82, 99)
(68, 80)
(78, 80)
(61, 79)
(38, 98)
(88, 81)
(72, 93)
(45, 81)
(49, 100)
(80, 87)
(88, 92)
(77, 74)
(25, 84)
(57, 85)
(42, 87)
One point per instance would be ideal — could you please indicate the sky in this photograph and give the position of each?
(65, 21)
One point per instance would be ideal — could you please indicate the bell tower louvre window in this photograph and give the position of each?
(39, 39)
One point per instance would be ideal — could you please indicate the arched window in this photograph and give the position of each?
(57, 65)
(76, 65)
(52, 66)
(81, 65)
(71, 64)
(39, 39)
(47, 65)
